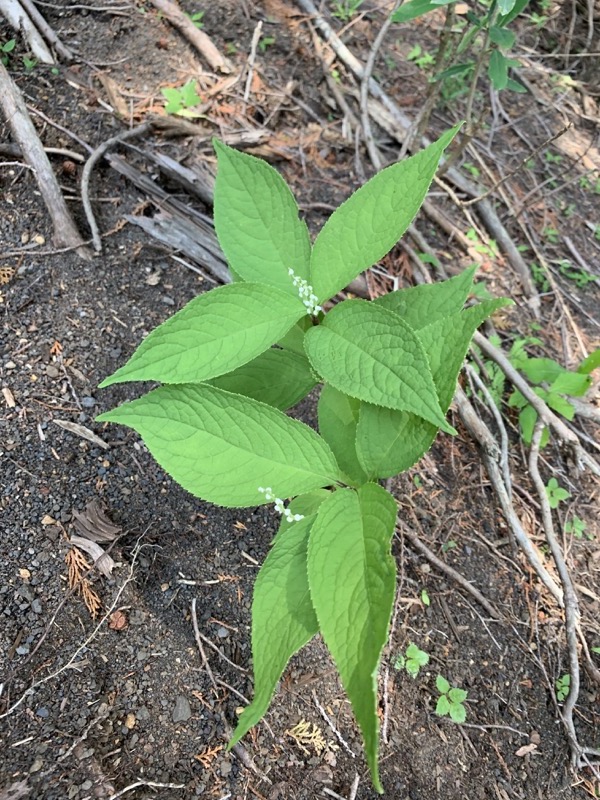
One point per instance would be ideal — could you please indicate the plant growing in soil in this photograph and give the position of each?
(234, 359)
(450, 701)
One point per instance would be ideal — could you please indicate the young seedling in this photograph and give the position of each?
(412, 660)
(196, 18)
(555, 493)
(181, 101)
(450, 702)
(234, 359)
(563, 687)
(576, 527)
(344, 10)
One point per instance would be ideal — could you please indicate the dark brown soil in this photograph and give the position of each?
(90, 709)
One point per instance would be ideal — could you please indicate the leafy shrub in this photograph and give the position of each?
(234, 359)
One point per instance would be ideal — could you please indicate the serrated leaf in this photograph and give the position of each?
(367, 225)
(212, 335)
(257, 222)
(338, 418)
(442, 707)
(458, 713)
(223, 447)
(442, 684)
(389, 441)
(539, 370)
(423, 305)
(457, 695)
(572, 383)
(283, 618)
(498, 70)
(416, 8)
(560, 405)
(279, 378)
(368, 352)
(352, 579)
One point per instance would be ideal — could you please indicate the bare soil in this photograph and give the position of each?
(93, 706)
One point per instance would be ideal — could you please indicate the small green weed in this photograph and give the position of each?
(420, 57)
(344, 10)
(29, 64)
(425, 598)
(181, 101)
(450, 702)
(5, 49)
(265, 43)
(551, 235)
(412, 660)
(555, 493)
(488, 249)
(552, 158)
(539, 276)
(576, 527)
(563, 687)
(196, 18)
(580, 277)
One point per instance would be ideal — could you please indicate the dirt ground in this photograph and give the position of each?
(122, 703)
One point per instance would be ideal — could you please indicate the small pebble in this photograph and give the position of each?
(182, 711)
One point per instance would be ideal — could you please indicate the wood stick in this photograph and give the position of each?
(18, 19)
(25, 135)
(196, 37)
(46, 31)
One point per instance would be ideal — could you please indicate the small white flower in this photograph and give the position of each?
(305, 293)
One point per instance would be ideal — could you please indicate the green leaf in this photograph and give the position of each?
(173, 98)
(502, 37)
(457, 713)
(457, 69)
(498, 70)
(257, 222)
(442, 684)
(590, 363)
(425, 304)
(389, 441)
(370, 353)
(213, 334)
(223, 447)
(560, 405)
(505, 19)
(277, 377)
(364, 228)
(283, 619)
(442, 707)
(572, 383)
(506, 6)
(416, 8)
(515, 86)
(540, 370)
(457, 695)
(294, 338)
(527, 419)
(189, 95)
(352, 579)
(338, 417)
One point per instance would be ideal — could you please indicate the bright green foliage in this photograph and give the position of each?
(222, 446)
(180, 101)
(280, 378)
(256, 219)
(364, 228)
(555, 493)
(414, 659)
(283, 618)
(372, 354)
(235, 358)
(214, 334)
(338, 418)
(576, 527)
(563, 687)
(352, 579)
(450, 702)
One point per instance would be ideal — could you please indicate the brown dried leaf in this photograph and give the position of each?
(6, 273)
(93, 524)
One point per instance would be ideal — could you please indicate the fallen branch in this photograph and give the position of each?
(25, 135)
(46, 31)
(203, 44)
(18, 19)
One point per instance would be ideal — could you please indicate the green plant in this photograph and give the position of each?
(576, 527)
(196, 18)
(420, 57)
(181, 101)
(412, 660)
(555, 493)
(551, 234)
(552, 382)
(580, 277)
(344, 10)
(29, 63)
(425, 598)
(235, 358)
(5, 49)
(265, 42)
(563, 687)
(450, 702)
